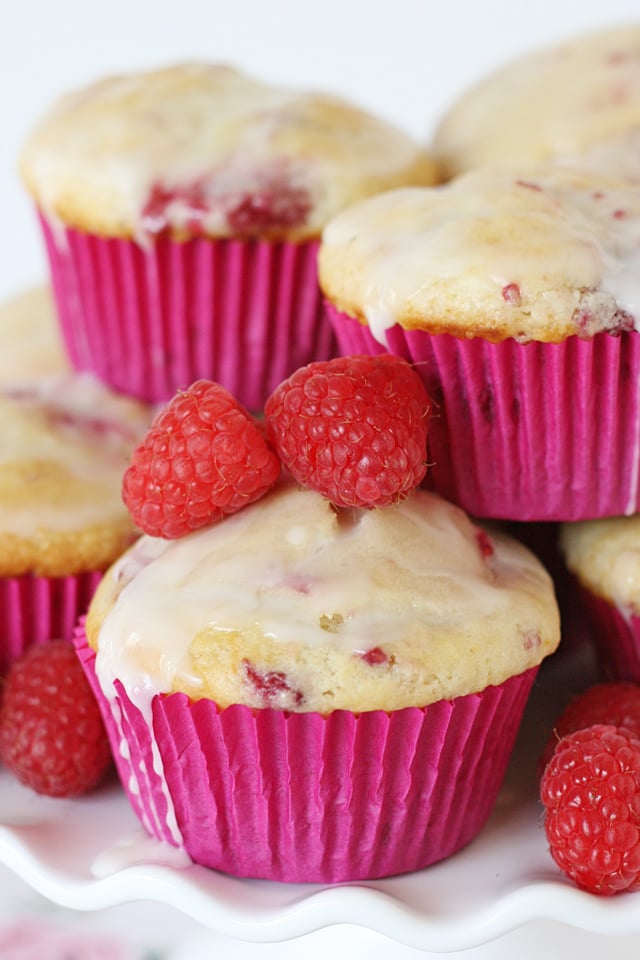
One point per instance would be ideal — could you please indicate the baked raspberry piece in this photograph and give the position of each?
(616, 704)
(354, 428)
(51, 732)
(591, 793)
(278, 207)
(203, 458)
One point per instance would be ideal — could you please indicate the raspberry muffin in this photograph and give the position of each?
(604, 559)
(342, 687)
(182, 209)
(66, 439)
(30, 337)
(577, 103)
(516, 296)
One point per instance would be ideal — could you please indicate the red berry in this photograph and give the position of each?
(272, 687)
(51, 732)
(275, 208)
(352, 428)
(591, 793)
(203, 458)
(616, 704)
(190, 197)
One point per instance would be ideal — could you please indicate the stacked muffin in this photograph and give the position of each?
(578, 105)
(182, 210)
(66, 439)
(304, 690)
(514, 288)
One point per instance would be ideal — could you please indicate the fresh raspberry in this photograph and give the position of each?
(591, 793)
(352, 428)
(51, 732)
(616, 704)
(203, 458)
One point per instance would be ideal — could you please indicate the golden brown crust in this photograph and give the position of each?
(205, 138)
(576, 102)
(283, 606)
(537, 254)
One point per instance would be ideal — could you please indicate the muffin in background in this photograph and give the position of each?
(514, 293)
(604, 558)
(343, 687)
(576, 103)
(30, 337)
(182, 209)
(65, 441)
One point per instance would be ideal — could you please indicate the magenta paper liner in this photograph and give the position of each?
(536, 431)
(38, 609)
(615, 634)
(150, 319)
(306, 798)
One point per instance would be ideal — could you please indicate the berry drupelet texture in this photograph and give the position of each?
(591, 793)
(354, 428)
(204, 458)
(52, 737)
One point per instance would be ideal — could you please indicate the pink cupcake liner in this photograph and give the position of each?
(615, 634)
(310, 798)
(148, 320)
(38, 609)
(529, 432)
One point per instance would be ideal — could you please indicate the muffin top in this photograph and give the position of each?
(202, 149)
(30, 337)
(540, 254)
(576, 103)
(605, 557)
(66, 441)
(294, 604)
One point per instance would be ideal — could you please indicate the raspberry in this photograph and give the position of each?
(616, 704)
(352, 428)
(273, 209)
(203, 458)
(51, 732)
(591, 793)
(191, 197)
(272, 687)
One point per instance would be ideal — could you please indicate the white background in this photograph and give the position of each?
(404, 59)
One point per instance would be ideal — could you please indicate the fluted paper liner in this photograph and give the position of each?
(303, 797)
(38, 609)
(149, 319)
(525, 431)
(615, 633)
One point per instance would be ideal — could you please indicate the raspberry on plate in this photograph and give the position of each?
(203, 458)
(52, 737)
(591, 793)
(354, 428)
(616, 704)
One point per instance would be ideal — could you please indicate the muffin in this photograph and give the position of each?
(514, 294)
(604, 558)
(576, 103)
(308, 693)
(30, 337)
(65, 439)
(182, 208)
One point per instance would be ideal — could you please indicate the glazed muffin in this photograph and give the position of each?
(30, 337)
(62, 520)
(604, 558)
(514, 294)
(576, 103)
(342, 686)
(182, 209)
